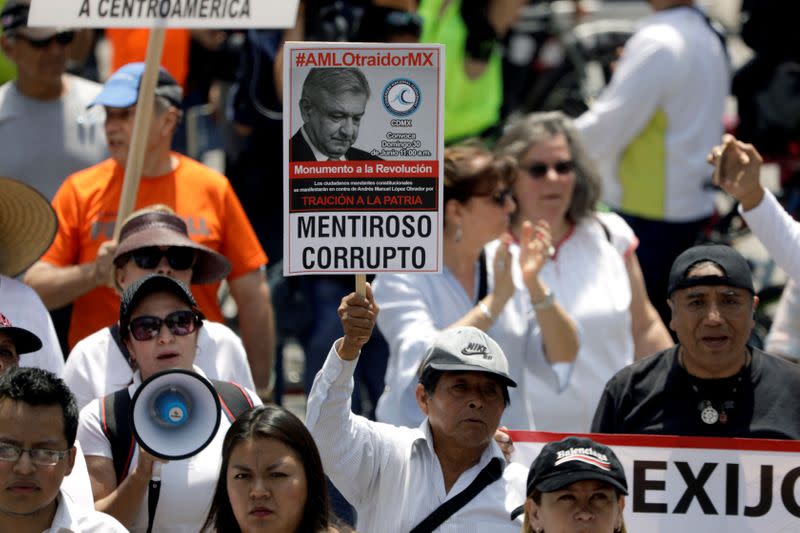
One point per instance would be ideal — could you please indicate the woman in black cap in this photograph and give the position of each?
(575, 484)
(159, 324)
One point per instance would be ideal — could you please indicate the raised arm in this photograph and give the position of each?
(738, 167)
(353, 449)
(559, 333)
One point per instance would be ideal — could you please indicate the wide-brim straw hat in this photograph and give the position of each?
(158, 228)
(28, 226)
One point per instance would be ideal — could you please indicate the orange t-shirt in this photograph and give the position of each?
(129, 46)
(86, 206)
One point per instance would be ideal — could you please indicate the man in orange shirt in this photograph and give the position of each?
(77, 267)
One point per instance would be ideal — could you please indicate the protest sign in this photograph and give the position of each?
(713, 485)
(158, 15)
(363, 145)
(200, 14)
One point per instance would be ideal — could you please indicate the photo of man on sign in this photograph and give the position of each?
(332, 103)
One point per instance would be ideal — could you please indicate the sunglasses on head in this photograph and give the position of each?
(180, 323)
(500, 197)
(539, 170)
(63, 38)
(178, 257)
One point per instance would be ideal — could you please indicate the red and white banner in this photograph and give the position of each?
(694, 484)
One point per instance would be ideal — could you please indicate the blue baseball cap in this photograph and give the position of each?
(122, 88)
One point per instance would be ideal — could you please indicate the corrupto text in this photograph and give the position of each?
(361, 257)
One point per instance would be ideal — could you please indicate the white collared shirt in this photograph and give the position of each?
(319, 156)
(73, 518)
(392, 474)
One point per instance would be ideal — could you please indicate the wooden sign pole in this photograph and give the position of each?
(141, 127)
(361, 284)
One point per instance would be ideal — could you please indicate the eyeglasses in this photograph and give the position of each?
(39, 456)
(63, 38)
(178, 257)
(501, 197)
(180, 323)
(539, 170)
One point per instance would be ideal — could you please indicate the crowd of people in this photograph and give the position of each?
(572, 297)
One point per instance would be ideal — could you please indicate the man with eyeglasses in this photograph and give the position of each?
(14, 342)
(43, 112)
(78, 266)
(38, 426)
(155, 240)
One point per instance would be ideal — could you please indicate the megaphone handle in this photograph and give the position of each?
(153, 492)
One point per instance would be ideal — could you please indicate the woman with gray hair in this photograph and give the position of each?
(593, 271)
(472, 290)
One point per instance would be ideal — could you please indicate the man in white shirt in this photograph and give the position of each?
(651, 128)
(396, 476)
(738, 173)
(38, 424)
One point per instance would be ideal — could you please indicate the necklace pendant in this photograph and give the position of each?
(709, 415)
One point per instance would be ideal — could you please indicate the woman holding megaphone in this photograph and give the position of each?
(159, 323)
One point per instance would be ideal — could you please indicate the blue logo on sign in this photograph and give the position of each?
(401, 97)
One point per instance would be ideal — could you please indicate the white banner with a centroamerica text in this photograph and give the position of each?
(164, 13)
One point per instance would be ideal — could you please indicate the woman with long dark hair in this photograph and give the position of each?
(271, 478)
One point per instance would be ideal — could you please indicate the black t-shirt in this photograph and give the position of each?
(657, 396)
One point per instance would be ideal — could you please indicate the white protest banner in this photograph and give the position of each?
(363, 145)
(698, 484)
(158, 15)
(164, 13)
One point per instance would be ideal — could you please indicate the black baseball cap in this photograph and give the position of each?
(734, 267)
(24, 341)
(147, 285)
(570, 460)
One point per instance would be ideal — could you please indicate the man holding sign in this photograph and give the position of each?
(447, 472)
(711, 383)
(78, 265)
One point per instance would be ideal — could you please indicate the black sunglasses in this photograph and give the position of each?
(501, 197)
(180, 323)
(63, 38)
(178, 257)
(539, 170)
